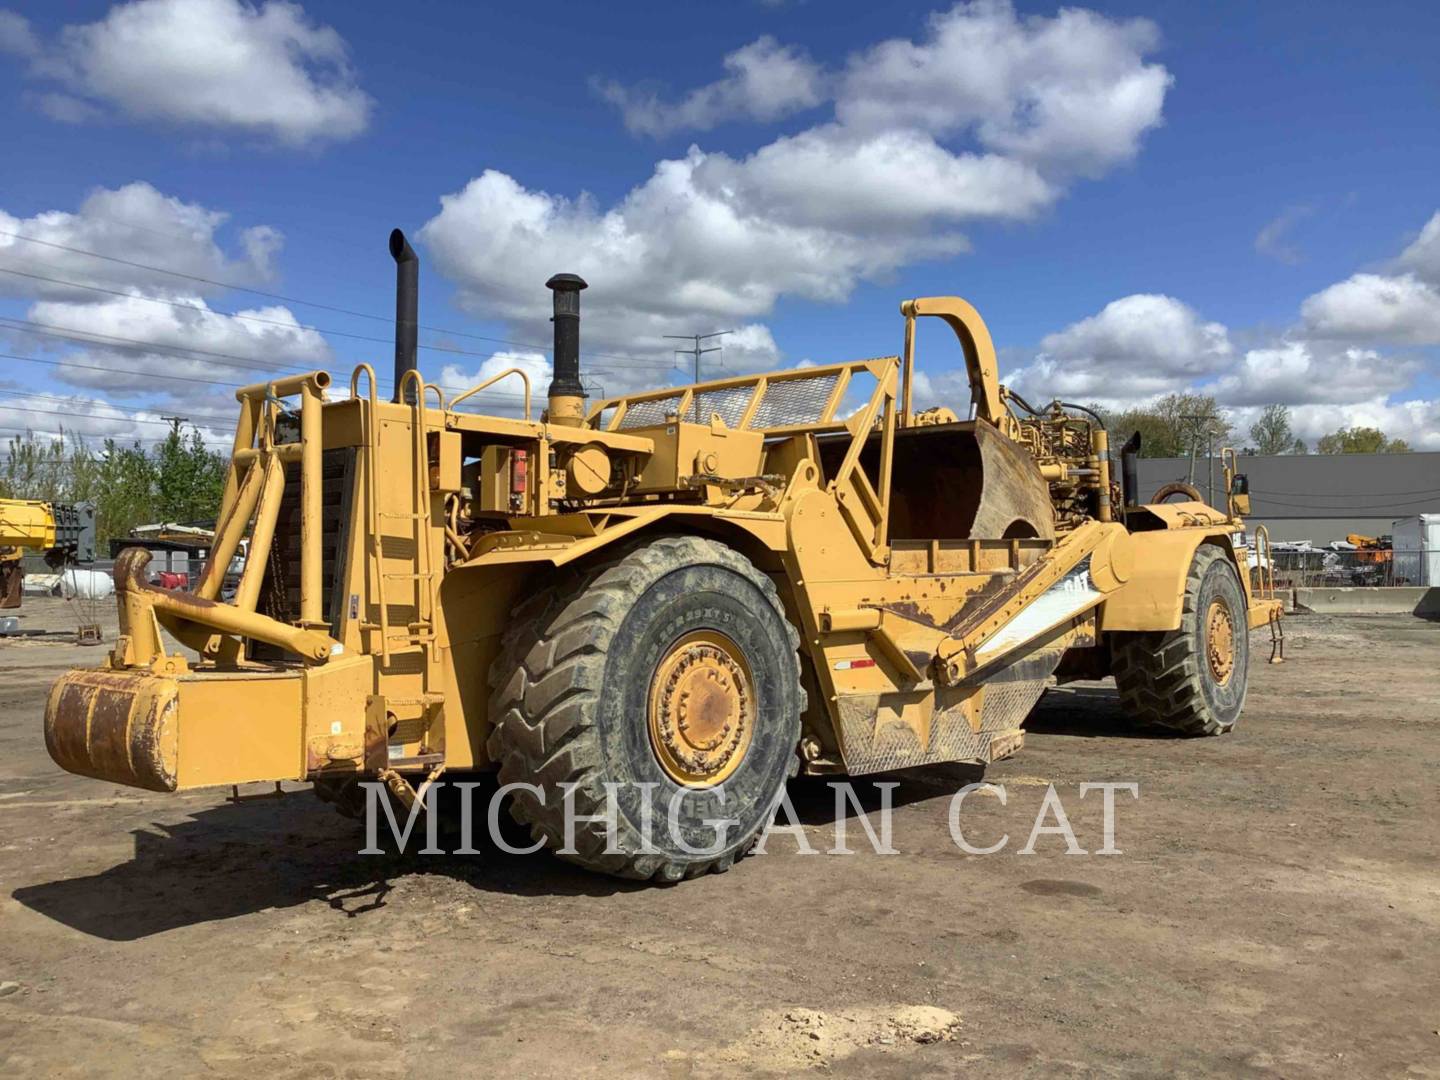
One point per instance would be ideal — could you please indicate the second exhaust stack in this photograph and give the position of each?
(567, 393)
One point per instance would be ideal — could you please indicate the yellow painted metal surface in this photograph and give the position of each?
(903, 548)
(26, 524)
(1152, 598)
(238, 728)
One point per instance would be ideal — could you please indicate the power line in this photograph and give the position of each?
(1349, 508)
(67, 334)
(697, 351)
(76, 398)
(96, 416)
(71, 333)
(235, 314)
(116, 370)
(306, 303)
(1359, 494)
(65, 434)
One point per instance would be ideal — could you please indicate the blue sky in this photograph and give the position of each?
(1236, 203)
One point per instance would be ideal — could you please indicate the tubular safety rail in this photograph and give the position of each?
(255, 484)
(805, 400)
(1264, 565)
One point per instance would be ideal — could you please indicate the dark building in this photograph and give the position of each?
(1317, 497)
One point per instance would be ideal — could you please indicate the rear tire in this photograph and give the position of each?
(574, 700)
(1191, 680)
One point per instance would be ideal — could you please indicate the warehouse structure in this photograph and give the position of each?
(1317, 497)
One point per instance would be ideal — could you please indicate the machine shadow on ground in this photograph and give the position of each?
(238, 859)
(1088, 712)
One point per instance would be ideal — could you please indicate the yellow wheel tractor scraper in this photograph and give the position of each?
(690, 593)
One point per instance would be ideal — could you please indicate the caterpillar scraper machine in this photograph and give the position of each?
(690, 594)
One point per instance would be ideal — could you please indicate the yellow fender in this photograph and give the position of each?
(1153, 597)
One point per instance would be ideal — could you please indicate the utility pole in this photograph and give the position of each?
(696, 351)
(175, 422)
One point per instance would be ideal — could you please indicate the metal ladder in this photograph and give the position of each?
(421, 631)
(1265, 590)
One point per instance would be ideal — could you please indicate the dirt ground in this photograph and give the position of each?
(1275, 912)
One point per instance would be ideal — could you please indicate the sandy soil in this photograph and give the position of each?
(1275, 912)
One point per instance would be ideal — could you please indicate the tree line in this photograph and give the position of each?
(1184, 425)
(177, 480)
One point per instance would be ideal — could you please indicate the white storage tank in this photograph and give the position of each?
(1416, 541)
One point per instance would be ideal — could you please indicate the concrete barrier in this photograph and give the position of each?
(1398, 600)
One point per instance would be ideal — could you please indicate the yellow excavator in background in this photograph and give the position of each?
(64, 533)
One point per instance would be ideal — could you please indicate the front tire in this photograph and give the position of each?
(1191, 680)
(671, 673)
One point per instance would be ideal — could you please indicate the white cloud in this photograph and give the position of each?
(1301, 372)
(267, 70)
(1133, 349)
(508, 395)
(1399, 307)
(765, 81)
(135, 223)
(48, 414)
(1399, 310)
(1423, 255)
(1415, 421)
(925, 141)
(149, 342)
(892, 180)
(1330, 368)
(139, 335)
(1068, 94)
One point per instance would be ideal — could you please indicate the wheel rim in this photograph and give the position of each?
(702, 707)
(1220, 641)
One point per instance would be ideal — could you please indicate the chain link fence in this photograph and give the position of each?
(1310, 568)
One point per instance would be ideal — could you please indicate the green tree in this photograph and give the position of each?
(126, 482)
(35, 468)
(179, 480)
(189, 478)
(1177, 425)
(1360, 440)
(1271, 433)
(1300, 447)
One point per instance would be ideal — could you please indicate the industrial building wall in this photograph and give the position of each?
(1317, 497)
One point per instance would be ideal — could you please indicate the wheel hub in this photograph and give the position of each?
(1220, 641)
(701, 709)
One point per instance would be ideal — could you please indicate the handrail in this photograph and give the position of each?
(372, 499)
(492, 381)
(759, 384)
(439, 393)
(420, 495)
(1264, 564)
(366, 370)
(288, 386)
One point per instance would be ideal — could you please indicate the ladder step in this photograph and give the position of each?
(417, 762)
(412, 516)
(423, 699)
(412, 576)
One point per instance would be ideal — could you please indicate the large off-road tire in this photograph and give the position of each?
(673, 666)
(1191, 680)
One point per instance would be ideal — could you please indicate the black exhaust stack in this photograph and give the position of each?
(567, 393)
(1129, 472)
(407, 305)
